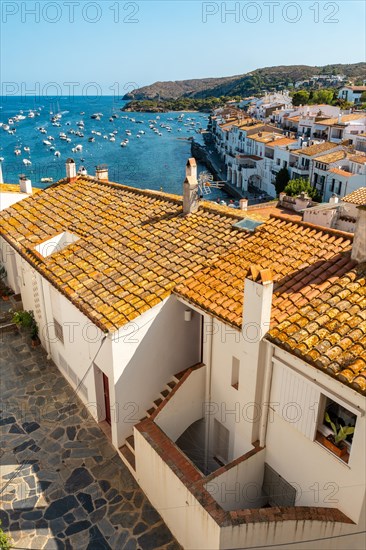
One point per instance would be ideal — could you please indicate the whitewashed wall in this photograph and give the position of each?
(147, 353)
(321, 479)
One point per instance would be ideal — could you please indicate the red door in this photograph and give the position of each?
(106, 399)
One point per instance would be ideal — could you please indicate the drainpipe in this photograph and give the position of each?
(48, 347)
(268, 368)
(208, 391)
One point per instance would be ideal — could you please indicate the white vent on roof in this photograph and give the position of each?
(56, 243)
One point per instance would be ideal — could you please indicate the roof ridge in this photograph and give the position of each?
(327, 230)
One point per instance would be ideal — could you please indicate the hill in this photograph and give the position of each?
(252, 83)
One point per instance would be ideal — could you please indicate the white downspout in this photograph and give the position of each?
(48, 347)
(268, 369)
(208, 362)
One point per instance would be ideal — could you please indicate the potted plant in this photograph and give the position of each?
(27, 324)
(335, 441)
(34, 334)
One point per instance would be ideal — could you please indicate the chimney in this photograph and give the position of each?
(70, 170)
(281, 196)
(25, 184)
(243, 204)
(1, 174)
(258, 290)
(359, 238)
(101, 172)
(190, 188)
(334, 199)
(339, 118)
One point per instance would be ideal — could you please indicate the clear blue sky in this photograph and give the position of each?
(144, 41)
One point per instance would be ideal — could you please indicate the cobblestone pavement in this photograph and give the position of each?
(63, 485)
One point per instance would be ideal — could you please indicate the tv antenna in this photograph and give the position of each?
(206, 183)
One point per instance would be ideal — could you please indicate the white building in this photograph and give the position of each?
(209, 346)
(10, 194)
(337, 214)
(351, 93)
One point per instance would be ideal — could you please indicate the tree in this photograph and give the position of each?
(300, 98)
(301, 185)
(363, 97)
(282, 179)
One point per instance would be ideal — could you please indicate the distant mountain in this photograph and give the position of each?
(255, 82)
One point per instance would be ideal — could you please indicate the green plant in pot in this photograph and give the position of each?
(339, 435)
(26, 322)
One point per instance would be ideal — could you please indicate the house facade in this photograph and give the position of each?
(209, 344)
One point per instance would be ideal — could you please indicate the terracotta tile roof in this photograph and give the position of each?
(330, 331)
(316, 287)
(344, 118)
(356, 88)
(15, 188)
(356, 197)
(360, 159)
(331, 157)
(134, 245)
(263, 137)
(316, 149)
(282, 142)
(341, 172)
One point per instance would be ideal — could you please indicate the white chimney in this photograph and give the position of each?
(258, 291)
(70, 169)
(190, 188)
(243, 204)
(359, 238)
(101, 172)
(339, 118)
(334, 199)
(25, 185)
(1, 174)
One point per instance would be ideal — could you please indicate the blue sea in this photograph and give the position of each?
(150, 161)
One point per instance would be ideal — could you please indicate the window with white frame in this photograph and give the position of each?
(336, 427)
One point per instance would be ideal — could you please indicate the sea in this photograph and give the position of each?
(152, 159)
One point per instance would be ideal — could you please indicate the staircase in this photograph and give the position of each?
(127, 451)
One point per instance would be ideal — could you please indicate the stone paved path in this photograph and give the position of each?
(63, 485)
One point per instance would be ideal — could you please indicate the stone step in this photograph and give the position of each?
(128, 457)
(164, 393)
(157, 402)
(130, 442)
(150, 411)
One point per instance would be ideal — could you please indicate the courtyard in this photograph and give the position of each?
(63, 486)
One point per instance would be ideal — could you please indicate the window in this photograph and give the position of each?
(235, 373)
(335, 428)
(59, 333)
(278, 161)
(332, 186)
(339, 188)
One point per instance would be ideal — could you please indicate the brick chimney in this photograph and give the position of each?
(101, 172)
(359, 239)
(190, 188)
(70, 170)
(25, 184)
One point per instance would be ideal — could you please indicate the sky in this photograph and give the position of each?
(112, 46)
